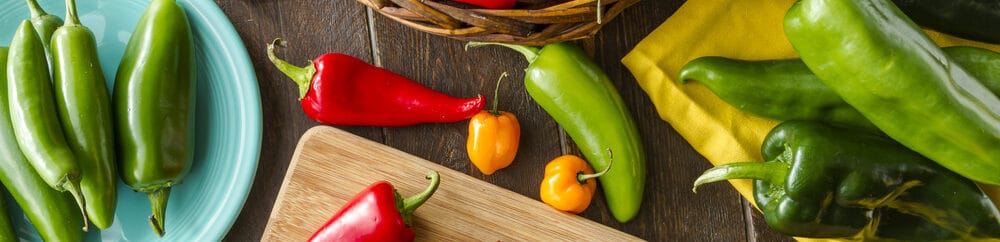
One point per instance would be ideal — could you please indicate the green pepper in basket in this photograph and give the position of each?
(882, 64)
(821, 181)
(575, 91)
(787, 90)
(154, 98)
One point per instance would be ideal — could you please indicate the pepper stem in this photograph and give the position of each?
(300, 75)
(771, 172)
(529, 52)
(410, 204)
(71, 18)
(36, 10)
(158, 202)
(74, 189)
(582, 178)
(496, 95)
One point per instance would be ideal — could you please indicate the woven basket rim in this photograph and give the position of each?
(569, 20)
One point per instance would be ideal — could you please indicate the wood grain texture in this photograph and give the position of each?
(330, 166)
(670, 211)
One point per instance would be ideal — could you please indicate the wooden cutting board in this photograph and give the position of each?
(330, 166)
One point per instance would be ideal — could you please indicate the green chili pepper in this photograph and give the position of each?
(34, 117)
(787, 90)
(154, 105)
(569, 86)
(45, 24)
(52, 213)
(85, 113)
(882, 64)
(825, 182)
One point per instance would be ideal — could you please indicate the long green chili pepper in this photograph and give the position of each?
(45, 24)
(886, 67)
(574, 90)
(52, 213)
(85, 113)
(34, 116)
(787, 90)
(154, 98)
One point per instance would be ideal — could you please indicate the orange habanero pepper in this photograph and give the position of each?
(493, 137)
(569, 183)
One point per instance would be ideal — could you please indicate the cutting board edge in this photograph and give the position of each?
(292, 165)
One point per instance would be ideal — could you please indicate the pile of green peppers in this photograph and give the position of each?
(58, 140)
(825, 181)
(879, 124)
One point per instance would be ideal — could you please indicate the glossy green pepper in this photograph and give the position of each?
(34, 116)
(822, 181)
(53, 214)
(571, 88)
(45, 24)
(787, 90)
(85, 113)
(882, 64)
(154, 98)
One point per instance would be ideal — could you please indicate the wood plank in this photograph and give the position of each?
(330, 166)
(670, 210)
(311, 27)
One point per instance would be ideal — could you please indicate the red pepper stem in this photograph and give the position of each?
(496, 95)
(529, 52)
(410, 204)
(582, 178)
(771, 172)
(301, 75)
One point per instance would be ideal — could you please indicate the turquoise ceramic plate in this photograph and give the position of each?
(206, 204)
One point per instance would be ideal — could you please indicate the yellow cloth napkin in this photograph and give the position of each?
(744, 29)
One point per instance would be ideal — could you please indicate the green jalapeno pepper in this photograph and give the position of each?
(45, 24)
(85, 113)
(823, 181)
(34, 117)
(882, 64)
(154, 105)
(571, 88)
(787, 90)
(52, 213)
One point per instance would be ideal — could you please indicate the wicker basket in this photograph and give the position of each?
(531, 22)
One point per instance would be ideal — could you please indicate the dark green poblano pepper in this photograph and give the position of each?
(154, 98)
(824, 181)
(787, 90)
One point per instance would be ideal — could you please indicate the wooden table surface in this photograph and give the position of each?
(670, 211)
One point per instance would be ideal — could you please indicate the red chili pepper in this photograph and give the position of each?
(338, 89)
(377, 213)
(491, 4)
